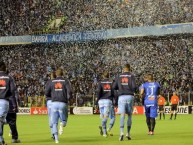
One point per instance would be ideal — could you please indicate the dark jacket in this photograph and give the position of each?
(7, 87)
(47, 85)
(59, 89)
(105, 90)
(125, 84)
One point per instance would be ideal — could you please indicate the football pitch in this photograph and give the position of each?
(83, 130)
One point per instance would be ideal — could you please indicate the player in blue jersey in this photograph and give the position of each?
(105, 96)
(126, 86)
(150, 91)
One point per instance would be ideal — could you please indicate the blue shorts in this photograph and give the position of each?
(125, 104)
(151, 110)
(105, 107)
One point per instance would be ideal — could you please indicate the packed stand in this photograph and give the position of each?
(26, 17)
(169, 59)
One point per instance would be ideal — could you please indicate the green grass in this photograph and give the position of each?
(83, 130)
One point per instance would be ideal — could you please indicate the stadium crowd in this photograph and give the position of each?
(25, 17)
(169, 59)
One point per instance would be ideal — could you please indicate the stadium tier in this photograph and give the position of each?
(89, 40)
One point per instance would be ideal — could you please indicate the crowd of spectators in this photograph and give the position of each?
(23, 17)
(170, 59)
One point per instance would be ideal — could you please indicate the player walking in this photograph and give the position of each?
(12, 117)
(105, 96)
(49, 102)
(126, 86)
(7, 91)
(150, 90)
(60, 91)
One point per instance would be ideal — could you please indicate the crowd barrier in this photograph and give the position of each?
(137, 110)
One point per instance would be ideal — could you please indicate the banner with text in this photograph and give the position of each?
(181, 109)
(39, 111)
(137, 110)
(13, 40)
(70, 37)
(24, 111)
(83, 110)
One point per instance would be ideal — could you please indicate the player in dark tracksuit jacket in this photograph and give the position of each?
(105, 96)
(60, 91)
(7, 91)
(12, 117)
(49, 102)
(126, 86)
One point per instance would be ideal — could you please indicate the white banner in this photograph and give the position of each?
(181, 109)
(24, 111)
(83, 110)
